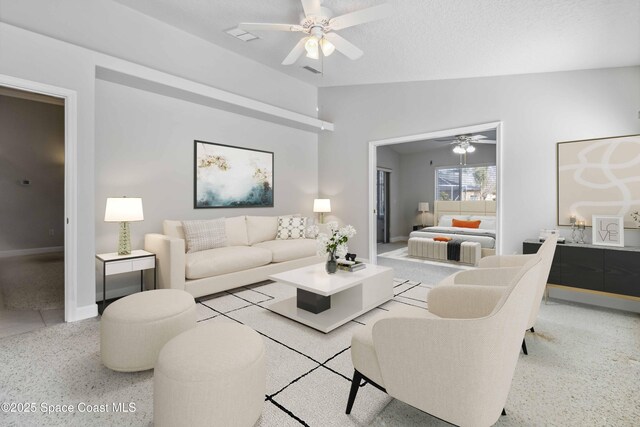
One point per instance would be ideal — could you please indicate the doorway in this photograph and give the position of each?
(32, 154)
(67, 161)
(383, 188)
(434, 181)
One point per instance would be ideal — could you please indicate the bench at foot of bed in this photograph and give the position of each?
(424, 247)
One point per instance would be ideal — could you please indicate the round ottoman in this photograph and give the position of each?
(134, 329)
(212, 375)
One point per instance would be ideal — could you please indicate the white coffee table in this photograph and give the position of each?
(331, 300)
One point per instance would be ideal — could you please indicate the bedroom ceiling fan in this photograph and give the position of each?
(319, 28)
(462, 143)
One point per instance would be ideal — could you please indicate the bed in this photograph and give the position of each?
(446, 211)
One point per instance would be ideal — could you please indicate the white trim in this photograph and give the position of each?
(373, 145)
(84, 312)
(398, 239)
(30, 251)
(71, 311)
(108, 68)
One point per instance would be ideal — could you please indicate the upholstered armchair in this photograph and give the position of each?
(455, 361)
(497, 269)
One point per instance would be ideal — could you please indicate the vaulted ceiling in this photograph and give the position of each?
(427, 39)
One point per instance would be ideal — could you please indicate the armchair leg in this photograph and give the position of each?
(524, 347)
(355, 385)
(532, 330)
(504, 412)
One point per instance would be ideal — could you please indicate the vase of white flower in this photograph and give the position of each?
(335, 245)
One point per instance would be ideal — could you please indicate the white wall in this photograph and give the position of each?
(109, 27)
(389, 159)
(35, 57)
(417, 178)
(144, 148)
(537, 111)
(31, 147)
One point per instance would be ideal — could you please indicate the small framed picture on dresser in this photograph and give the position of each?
(608, 230)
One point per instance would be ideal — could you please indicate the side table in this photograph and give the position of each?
(112, 263)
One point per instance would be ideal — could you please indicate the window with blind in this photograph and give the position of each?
(466, 183)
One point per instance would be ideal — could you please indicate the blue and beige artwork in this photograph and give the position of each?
(229, 177)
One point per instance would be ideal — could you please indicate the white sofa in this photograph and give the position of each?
(252, 253)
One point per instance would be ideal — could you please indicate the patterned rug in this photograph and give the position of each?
(575, 369)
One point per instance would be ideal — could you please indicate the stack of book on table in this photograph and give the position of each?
(351, 266)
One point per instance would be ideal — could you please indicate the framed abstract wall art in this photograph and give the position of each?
(599, 177)
(231, 177)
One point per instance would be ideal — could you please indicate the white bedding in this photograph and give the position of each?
(486, 237)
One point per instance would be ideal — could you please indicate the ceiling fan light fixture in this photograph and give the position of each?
(471, 149)
(458, 150)
(311, 46)
(327, 47)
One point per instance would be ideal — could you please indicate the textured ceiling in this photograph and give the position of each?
(427, 39)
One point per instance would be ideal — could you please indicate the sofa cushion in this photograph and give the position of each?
(287, 250)
(261, 228)
(214, 262)
(291, 228)
(203, 234)
(237, 231)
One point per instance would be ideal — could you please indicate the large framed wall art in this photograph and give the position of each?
(231, 177)
(599, 177)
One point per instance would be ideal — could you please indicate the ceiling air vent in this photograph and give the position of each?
(241, 34)
(311, 69)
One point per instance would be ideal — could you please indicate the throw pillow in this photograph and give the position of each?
(291, 228)
(442, 239)
(205, 234)
(465, 224)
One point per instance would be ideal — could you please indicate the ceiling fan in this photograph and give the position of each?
(463, 142)
(320, 27)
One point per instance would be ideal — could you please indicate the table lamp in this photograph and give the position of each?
(321, 206)
(423, 207)
(124, 210)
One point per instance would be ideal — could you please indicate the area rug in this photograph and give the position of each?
(577, 371)
(33, 282)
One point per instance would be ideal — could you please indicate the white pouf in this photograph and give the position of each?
(213, 375)
(134, 329)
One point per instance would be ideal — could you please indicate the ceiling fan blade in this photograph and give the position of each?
(477, 137)
(249, 26)
(485, 141)
(295, 53)
(360, 17)
(311, 7)
(344, 46)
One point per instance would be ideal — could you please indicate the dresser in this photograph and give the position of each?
(605, 270)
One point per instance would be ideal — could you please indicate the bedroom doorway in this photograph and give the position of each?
(383, 190)
(460, 165)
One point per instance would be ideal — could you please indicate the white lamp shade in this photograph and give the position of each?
(123, 209)
(322, 205)
(423, 206)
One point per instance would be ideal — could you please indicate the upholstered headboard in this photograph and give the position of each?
(467, 207)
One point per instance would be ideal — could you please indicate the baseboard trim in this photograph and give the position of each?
(81, 313)
(398, 239)
(31, 251)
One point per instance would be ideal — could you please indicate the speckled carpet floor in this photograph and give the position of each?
(583, 369)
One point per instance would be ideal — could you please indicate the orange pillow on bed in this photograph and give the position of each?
(465, 224)
(442, 239)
